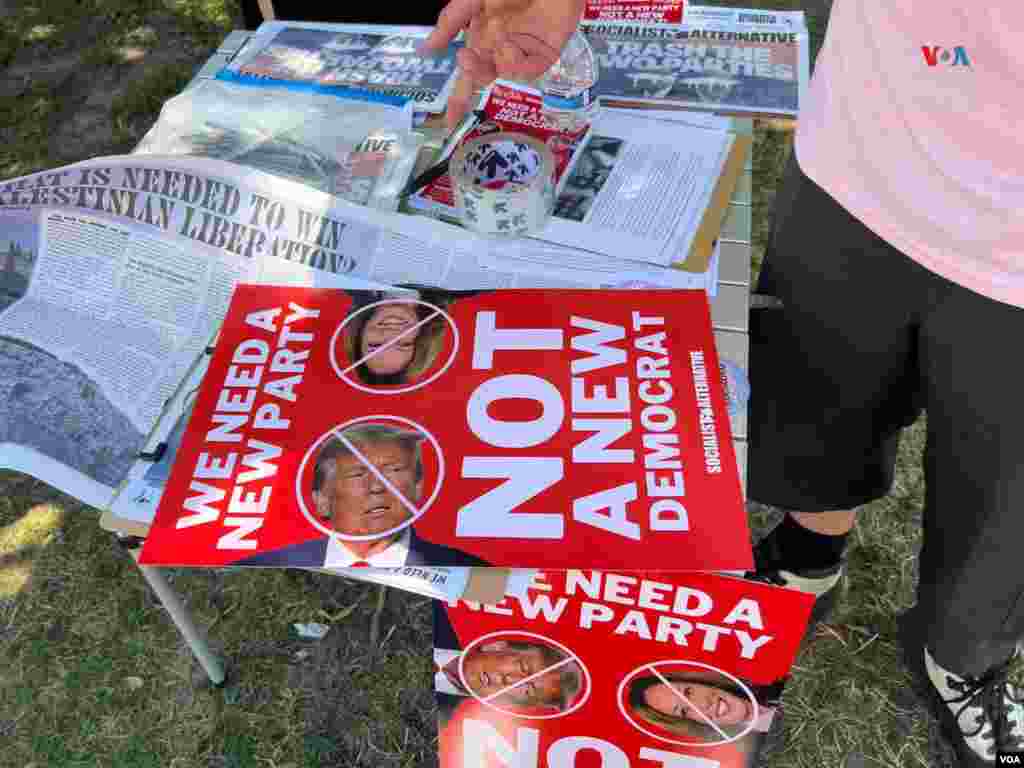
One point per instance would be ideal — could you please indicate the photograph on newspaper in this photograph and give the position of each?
(366, 157)
(588, 178)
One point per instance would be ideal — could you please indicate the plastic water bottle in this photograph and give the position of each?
(567, 86)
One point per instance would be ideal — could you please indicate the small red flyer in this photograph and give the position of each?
(657, 11)
(514, 428)
(596, 669)
(509, 108)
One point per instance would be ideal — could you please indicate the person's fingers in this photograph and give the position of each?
(459, 100)
(476, 70)
(467, 61)
(530, 49)
(453, 19)
(482, 37)
(524, 56)
(480, 68)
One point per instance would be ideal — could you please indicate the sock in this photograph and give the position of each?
(799, 548)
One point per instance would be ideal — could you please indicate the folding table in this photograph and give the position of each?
(729, 315)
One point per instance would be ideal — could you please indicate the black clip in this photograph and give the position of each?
(156, 454)
(765, 301)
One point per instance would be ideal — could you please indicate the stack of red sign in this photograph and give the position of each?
(584, 433)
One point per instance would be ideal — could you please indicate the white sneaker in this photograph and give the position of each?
(980, 715)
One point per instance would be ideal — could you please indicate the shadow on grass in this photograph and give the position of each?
(96, 674)
(364, 705)
(67, 62)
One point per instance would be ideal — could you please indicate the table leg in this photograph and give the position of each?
(208, 660)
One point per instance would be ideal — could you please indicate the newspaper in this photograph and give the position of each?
(684, 116)
(639, 187)
(347, 56)
(732, 61)
(712, 15)
(116, 272)
(136, 502)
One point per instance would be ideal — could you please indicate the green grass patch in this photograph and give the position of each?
(102, 54)
(206, 20)
(29, 117)
(136, 753)
(61, 49)
(142, 101)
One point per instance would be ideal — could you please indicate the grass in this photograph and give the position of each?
(87, 77)
(139, 104)
(96, 675)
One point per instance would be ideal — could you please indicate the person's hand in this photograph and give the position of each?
(514, 39)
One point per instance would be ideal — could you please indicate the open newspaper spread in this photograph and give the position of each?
(117, 271)
(726, 60)
(539, 428)
(597, 668)
(340, 57)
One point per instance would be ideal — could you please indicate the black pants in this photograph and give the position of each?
(421, 13)
(865, 339)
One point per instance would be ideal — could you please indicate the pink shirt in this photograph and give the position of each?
(926, 148)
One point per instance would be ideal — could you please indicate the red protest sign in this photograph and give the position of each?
(612, 670)
(523, 428)
(657, 11)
